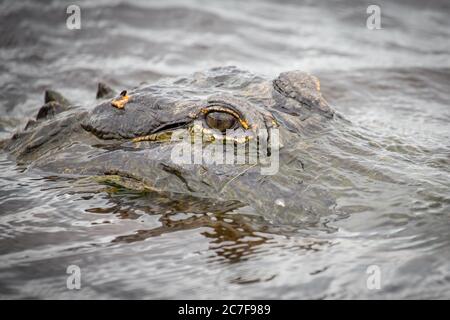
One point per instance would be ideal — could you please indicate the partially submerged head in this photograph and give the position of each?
(136, 138)
(222, 98)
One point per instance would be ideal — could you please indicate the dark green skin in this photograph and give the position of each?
(97, 141)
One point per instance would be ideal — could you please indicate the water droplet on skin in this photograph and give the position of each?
(280, 202)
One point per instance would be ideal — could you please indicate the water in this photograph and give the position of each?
(392, 84)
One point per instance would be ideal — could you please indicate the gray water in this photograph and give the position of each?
(392, 84)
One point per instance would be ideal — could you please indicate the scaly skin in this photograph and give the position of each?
(127, 138)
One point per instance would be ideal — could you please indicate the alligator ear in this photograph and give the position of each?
(104, 91)
(304, 88)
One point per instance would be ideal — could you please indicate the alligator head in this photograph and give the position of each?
(262, 142)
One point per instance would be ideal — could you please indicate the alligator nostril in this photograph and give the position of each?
(121, 101)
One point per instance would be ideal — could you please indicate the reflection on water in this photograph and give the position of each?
(230, 239)
(392, 84)
(232, 235)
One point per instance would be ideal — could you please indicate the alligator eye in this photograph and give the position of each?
(220, 120)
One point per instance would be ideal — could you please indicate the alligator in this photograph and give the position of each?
(128, 139)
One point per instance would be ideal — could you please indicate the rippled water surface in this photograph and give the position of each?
(392, 84)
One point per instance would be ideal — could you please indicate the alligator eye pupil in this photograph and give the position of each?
(220, 120)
